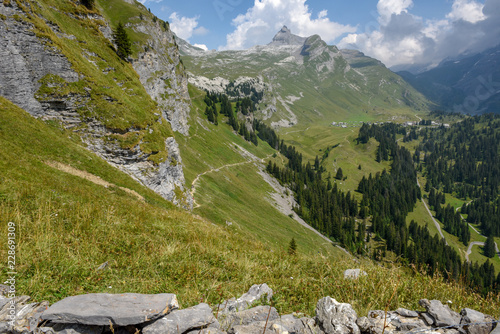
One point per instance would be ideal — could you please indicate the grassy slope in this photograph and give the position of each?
(66, 227)
(237, 194)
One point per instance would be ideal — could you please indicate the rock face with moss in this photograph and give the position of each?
(62, 68)
(162, 74)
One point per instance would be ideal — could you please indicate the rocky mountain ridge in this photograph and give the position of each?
(303, 73)
(468, 84)
(55, 73)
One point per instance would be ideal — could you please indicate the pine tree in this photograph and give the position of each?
(339, 175)
(489, 247)
(122, 41)
(292, 247)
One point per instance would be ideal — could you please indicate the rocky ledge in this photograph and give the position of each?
(158, 314)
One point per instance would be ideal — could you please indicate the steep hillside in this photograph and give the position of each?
(68, 224)
(466, 85)
(58, 63)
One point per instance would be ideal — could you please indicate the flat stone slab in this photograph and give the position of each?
(101, 309)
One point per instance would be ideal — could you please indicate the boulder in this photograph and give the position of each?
(336, 318)
(354, 273)
(70, 329)
(407, 313)
(246, 317)
(442, 314)
(181, 321)
(255, 293)
(103, 309)
(26, 315)
(471, 316)
(253, 328)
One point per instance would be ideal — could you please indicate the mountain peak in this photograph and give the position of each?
(285, 37)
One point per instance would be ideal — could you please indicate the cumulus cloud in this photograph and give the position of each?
(406, 39)
(201, 46)
(262, 21)
(185, 27)
(146, 1)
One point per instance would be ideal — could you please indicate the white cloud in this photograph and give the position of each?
(201, 46)
(405, 39)
(466, 10)
(388, 7)
(262, 21)
(146, 1)
(185, 27)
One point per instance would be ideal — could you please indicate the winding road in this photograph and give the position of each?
(432, 217)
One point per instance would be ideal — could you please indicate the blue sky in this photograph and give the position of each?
(395, 31)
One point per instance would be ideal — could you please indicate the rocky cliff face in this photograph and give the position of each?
(40, 78)
(162, 74)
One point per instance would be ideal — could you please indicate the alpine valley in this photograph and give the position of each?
(170, 169)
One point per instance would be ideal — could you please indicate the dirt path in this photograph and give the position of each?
(251, 159)
(432, 217)
(90, 177)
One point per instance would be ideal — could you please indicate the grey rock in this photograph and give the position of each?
(181, 321)
(472, 316)
(354, 273)
(442, 314)
(429, 319)
(496, 330)
(70, 329)
(162, 74)
(103, 309)
(246, 317)
(336, 318)
(26, 315)
(206, 331)
(378, 320)
(25, 60)
(253, 328)
(406, 313)
(255, 293)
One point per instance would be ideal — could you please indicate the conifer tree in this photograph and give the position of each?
(489, 247)
(292, 247)
(122, 41)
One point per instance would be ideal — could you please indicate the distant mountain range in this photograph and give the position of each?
(469, 84)
(304, 80)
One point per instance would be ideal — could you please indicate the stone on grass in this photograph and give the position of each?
(354, 273)
(181, 321)
(103, 309)
(254, 294)
(336, 318)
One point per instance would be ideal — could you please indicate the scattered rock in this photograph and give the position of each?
(247, 317)
(103, 309)
(336, 318)
(70, 329)
(181, 321)
(442, 314)
(406, 313)
(354, 273)
(255, 293)
(472, 316)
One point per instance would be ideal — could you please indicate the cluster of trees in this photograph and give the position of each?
(320, 204)
(244, 89)
(451, 219)
(464, 160)
(226, 109)
(389, 196)
(485, 213)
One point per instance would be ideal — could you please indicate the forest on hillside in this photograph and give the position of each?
(462, 160)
